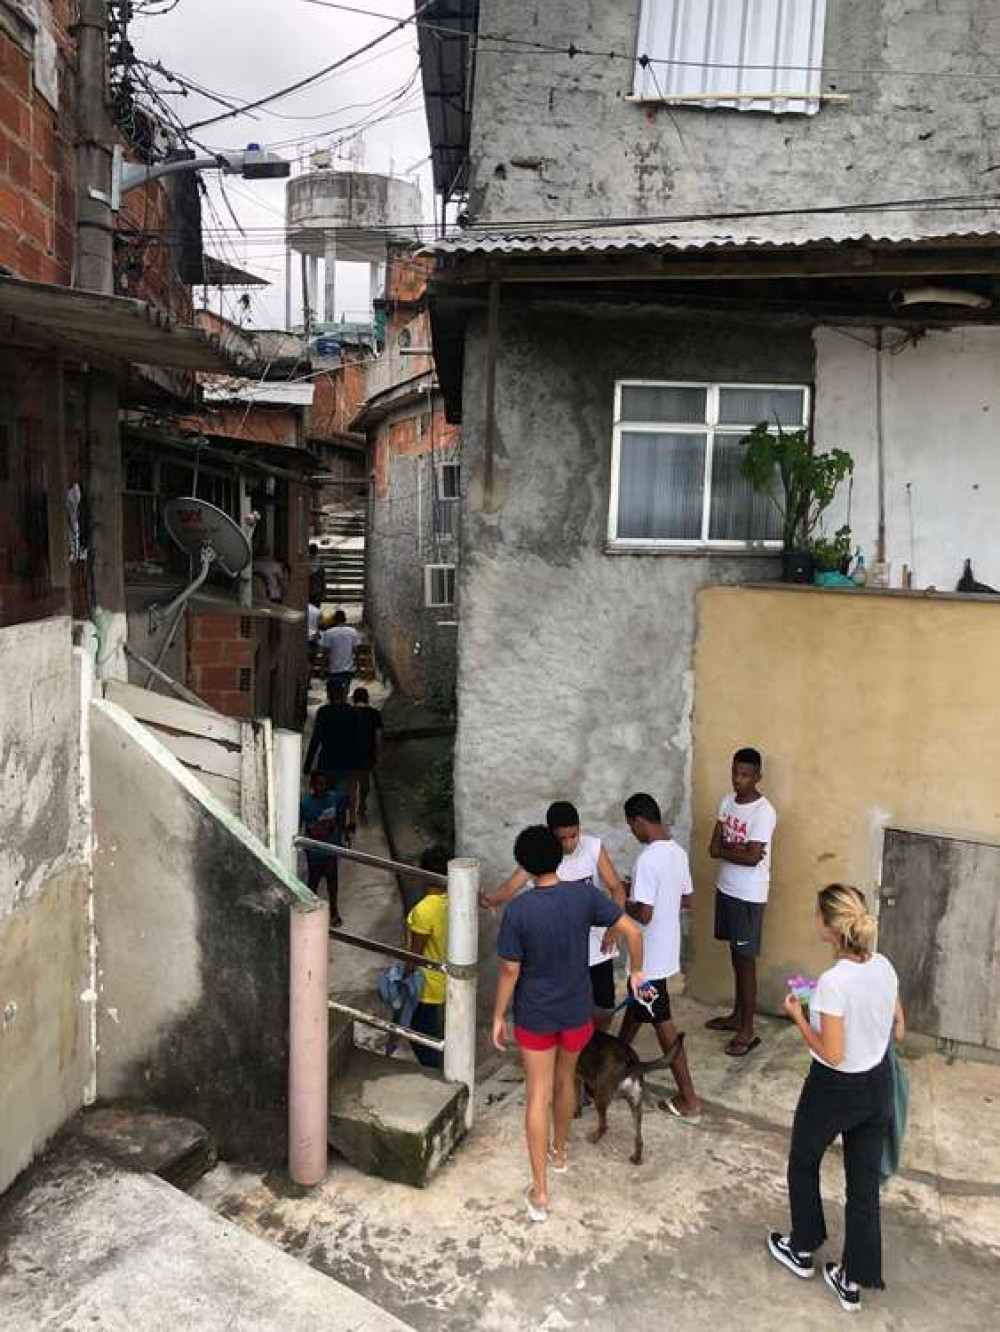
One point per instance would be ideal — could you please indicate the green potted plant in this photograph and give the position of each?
(808, 482)
(833, 554)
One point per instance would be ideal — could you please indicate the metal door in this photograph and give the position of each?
(940, 927)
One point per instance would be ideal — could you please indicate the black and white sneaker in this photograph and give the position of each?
(846, 1291)
(780, 1248)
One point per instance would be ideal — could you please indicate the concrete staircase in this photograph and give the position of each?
(342, 551)
(388, 1117)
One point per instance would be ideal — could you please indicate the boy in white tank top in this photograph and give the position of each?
(584, 858)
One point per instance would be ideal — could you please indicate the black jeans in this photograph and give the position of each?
(428, 1019)
(856, 1106)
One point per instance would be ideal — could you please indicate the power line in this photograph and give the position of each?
(398, 25)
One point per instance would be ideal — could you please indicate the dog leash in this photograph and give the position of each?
(647, 1000)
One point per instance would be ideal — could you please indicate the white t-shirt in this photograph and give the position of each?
(582, 864)
(754, 822)
(864, 995)
(661, 877)
(339, 644)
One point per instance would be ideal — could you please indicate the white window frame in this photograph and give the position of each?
(709, 428)
(429, 571)
(782, 66)
(447, 504)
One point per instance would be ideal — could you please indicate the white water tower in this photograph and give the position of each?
(336, 217)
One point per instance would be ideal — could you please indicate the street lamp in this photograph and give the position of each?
(252, 163)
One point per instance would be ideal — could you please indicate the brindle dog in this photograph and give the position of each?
(609, 1068)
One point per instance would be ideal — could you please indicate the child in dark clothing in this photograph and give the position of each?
(321, 815)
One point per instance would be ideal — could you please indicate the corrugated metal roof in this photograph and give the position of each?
(682, 240)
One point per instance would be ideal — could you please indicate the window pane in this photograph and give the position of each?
(747, 406)
(661, 482)
(450, 485)
(673, 406)
(738, 512)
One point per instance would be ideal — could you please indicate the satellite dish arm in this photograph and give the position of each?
(158, 614)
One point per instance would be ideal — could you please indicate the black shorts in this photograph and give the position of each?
(602, 983)
(660, 1005)
(740, 924)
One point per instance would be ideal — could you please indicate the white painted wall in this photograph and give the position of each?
(942, 440)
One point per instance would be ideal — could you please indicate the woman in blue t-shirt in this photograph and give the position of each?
(544, 952)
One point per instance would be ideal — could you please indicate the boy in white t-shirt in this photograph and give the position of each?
(661, 888)
(741, 843)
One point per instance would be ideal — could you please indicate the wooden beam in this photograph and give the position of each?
(462, 270)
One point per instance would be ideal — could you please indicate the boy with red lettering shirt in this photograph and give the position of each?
(741, 842)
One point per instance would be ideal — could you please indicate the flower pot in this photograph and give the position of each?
(797, 566)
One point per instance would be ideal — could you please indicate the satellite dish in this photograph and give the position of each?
(208, 535)
(196, 526)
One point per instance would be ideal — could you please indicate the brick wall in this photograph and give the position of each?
(37, 159)
(339, 396)
(409, 437)
(221, 662)
(406, 274)
(144, 265)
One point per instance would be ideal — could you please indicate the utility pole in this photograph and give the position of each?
(94, 271)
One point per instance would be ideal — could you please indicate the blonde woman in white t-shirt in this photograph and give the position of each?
(584, 858)
(853, 1017)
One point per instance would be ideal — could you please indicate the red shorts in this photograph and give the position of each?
(572, 1040)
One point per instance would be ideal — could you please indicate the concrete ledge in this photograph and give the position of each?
(88, 1244)
(393, 1121)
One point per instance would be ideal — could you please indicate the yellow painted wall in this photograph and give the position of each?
(868, 710)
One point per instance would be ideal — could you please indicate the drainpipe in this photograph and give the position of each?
(463, 957)
(880, 447)
(94, 271)
(490, 393)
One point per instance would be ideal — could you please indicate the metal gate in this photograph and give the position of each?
(940, 926)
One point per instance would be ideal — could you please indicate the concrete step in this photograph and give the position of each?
(172, 1147)
(394, 1120)
(88, 1244)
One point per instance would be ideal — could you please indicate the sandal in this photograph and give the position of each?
(740, 1049)
(671, 1108)
(536, 1213)
(554, 1165)
(721, 1024)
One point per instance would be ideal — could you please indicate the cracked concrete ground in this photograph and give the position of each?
(677, 1241)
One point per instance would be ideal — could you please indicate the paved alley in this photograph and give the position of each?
(677, 1241)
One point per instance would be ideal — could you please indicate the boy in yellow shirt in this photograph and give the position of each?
(427, 926)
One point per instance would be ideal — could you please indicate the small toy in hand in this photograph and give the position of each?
(803, 988)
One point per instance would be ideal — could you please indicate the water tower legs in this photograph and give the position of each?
(330, 278)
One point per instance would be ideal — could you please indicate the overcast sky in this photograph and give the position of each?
(242, 49)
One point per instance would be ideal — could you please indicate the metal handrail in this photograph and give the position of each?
(382, 1024)
(379, 862)
(388, 950)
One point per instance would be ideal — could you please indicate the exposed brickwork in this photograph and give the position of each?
(339, 396)
(410, 437)
(217, 654)
(37, 160)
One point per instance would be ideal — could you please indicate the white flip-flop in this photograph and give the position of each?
(536, 1213)
(554, 1166)
(669, 1106)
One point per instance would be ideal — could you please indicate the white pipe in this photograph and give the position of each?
(308, 1044)
(463, 956)
(288, 792)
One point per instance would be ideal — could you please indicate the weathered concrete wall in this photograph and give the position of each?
(868, 710)
(941, 410)
(192, 927)
(416, 643)
(553, 136)
(44, 962)
(574, 664)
